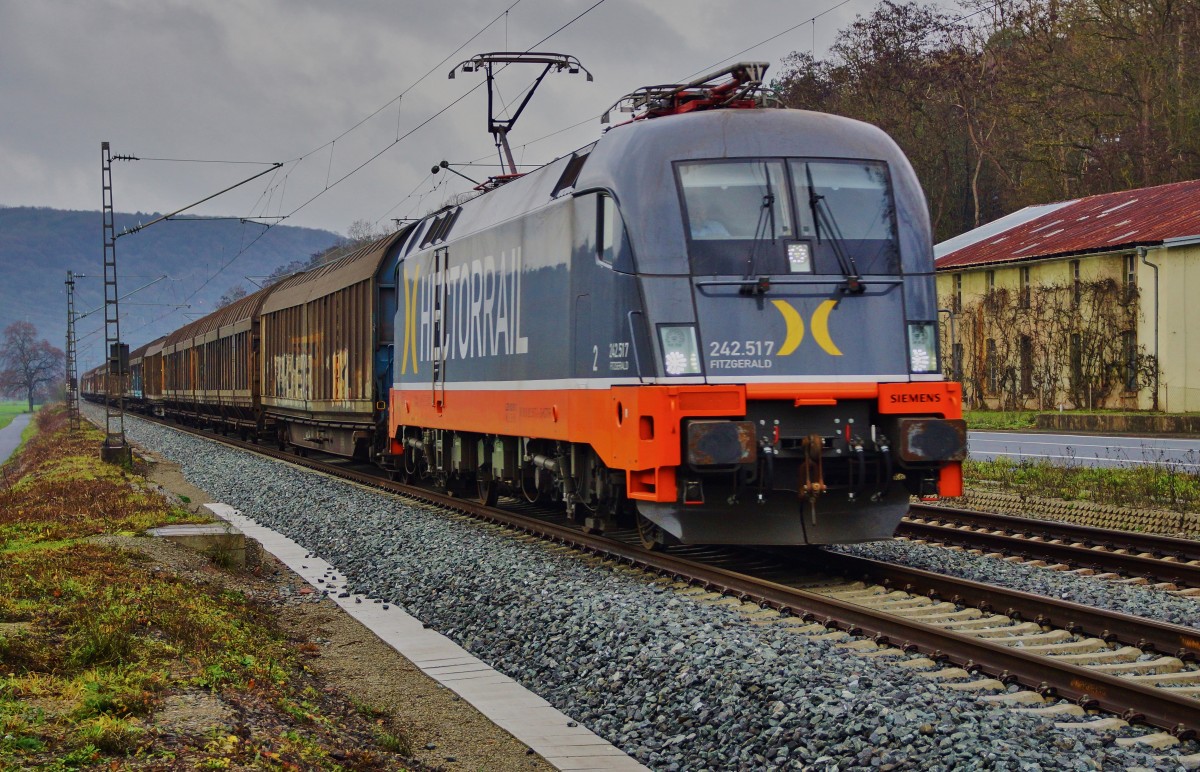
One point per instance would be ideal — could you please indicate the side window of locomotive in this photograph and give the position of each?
(610, 230)
(735, 200)
(850, 202)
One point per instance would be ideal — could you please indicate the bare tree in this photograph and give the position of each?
(232, 295)
(27, 364)
(363, 232)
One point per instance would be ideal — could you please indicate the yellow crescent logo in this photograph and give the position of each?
(795, 327)
(820, 328)
(410, 321)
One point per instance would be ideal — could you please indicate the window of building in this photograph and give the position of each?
(958, 292)
(1025, 287)
(1130, 276)
(1129, 344)
(991, 281)
(1076, 283)
(991, 368)
(1026, 364)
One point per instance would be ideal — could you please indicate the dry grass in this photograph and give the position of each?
(94, 640)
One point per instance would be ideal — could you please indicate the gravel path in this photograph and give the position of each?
(675, 683)
(10, 436)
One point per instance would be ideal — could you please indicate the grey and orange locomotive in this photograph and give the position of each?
(717, 323)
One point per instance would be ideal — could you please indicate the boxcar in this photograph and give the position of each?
(210, 368)
(327, 342)
(152, 377)
(91, 385)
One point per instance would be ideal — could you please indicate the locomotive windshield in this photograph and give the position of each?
(771, 216)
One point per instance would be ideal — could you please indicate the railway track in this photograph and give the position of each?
(1147, 558)
(973, 636)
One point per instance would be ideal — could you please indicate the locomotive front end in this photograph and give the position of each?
(808, 309)
(717, 324)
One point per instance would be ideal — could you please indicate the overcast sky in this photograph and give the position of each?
(277, 80)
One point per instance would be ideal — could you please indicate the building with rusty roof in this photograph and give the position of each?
(1081, 303)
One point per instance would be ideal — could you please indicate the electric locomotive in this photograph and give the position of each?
(718, 321)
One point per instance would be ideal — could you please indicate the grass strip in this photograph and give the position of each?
(1163, 485)
(993, 420)
(98, 641)
(10, 410)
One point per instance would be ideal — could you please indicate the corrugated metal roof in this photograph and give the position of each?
(1108, 222)
(244, 308)
(357, 266)
(144, 349)
(995, 228)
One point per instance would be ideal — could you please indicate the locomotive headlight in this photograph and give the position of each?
(681, 355)
(922, 347)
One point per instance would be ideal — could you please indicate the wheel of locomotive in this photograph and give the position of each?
(487, 488)
(650, 534)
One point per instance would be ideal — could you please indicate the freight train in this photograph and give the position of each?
(716, 323)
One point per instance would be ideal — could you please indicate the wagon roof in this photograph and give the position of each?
(140, 351)
(359, 265)
(156, 346)
(234, 312)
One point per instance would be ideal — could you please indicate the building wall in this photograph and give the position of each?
(966, 295)
(1179, 283)
(1045, 272)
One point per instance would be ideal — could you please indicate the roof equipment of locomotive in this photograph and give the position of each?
(500, 127)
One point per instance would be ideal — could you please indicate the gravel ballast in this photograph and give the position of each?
(1145, 602)
(675, 683)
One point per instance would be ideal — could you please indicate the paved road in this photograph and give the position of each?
(10, 436)
(1180, 454)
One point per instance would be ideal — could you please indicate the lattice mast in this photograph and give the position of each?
(72, 370)
(115, 447)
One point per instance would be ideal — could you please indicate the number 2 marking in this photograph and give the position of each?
(595, 358)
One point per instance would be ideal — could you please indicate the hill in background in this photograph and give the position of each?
(38, 246)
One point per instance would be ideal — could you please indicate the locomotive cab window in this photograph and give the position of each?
(611, 230)
(848, 204)
(735, 200)
(605, 239)
(788, 216)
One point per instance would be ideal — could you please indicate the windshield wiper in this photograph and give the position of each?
(766, 217)
(822, 212)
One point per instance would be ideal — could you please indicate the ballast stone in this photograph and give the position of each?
(522, 607)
